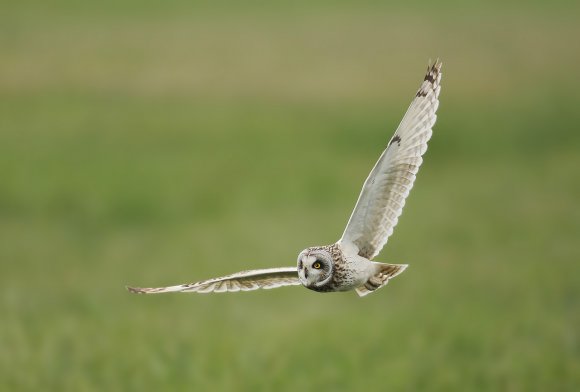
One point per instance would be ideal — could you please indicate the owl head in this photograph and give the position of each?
(315, 266)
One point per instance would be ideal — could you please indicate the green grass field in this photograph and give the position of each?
(159, 143)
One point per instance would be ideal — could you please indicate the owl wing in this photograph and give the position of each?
(242, 281)
(383, 194)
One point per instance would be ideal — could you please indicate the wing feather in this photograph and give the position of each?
(384, 192)
(241, 281)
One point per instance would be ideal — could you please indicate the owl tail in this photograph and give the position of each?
(385, 272)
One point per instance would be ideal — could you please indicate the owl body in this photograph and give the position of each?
(328, 268)
(337, 267)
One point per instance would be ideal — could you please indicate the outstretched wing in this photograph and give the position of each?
(383, 194)
(242, 281)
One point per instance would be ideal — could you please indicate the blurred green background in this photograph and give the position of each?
(161, 142)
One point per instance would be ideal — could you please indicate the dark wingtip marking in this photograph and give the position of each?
(434, 68)
(135, 290)
(433, 71)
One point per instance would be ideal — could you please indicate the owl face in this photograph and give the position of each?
(315, 267)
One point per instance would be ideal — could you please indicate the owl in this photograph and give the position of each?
(347, 264)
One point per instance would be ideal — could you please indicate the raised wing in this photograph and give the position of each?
(383, 194)
(242, 281)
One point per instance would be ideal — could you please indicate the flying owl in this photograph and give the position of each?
(346, 265)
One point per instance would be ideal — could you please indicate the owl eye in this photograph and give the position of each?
(317, 265)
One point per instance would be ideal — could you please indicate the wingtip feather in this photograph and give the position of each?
(136, 290)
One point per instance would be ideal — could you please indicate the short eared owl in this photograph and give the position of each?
(347, 265)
